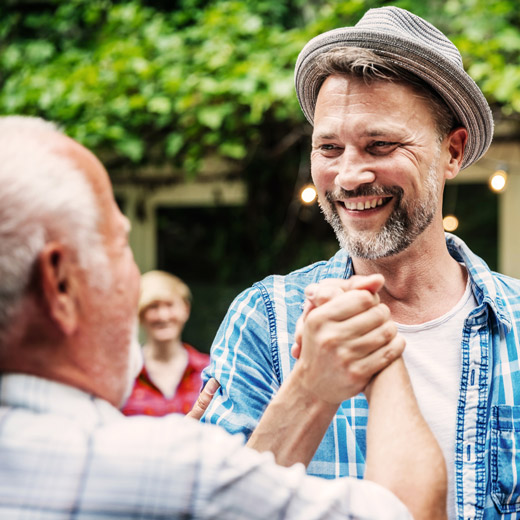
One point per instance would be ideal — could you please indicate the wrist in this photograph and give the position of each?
(306, 393)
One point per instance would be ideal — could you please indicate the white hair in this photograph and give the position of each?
(43, 196)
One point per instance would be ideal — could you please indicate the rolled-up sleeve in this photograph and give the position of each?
(241, 361)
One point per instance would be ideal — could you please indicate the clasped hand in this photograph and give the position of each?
(344, 337)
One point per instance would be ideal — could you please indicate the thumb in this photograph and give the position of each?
(204, 399)
(372, 283)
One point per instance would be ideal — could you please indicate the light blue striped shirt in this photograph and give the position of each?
(67, 455)
(250, 357)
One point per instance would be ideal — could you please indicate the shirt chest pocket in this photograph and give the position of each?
(505, 458)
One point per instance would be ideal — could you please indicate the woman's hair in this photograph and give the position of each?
(160, 285)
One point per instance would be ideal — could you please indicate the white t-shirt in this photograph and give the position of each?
(433, 359)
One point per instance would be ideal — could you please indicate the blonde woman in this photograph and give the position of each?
(170, 380)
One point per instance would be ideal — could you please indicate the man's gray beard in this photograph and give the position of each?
(406, 222)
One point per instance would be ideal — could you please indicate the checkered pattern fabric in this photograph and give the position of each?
(251, 357)
(67, 455)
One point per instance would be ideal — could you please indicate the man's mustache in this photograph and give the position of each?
(364, 191)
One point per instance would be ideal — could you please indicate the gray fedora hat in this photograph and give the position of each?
(417, 46)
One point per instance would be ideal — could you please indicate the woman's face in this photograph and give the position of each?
(164, 319)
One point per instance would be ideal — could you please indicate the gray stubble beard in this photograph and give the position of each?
(406, 222)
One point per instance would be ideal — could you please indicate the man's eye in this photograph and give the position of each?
(382, 146)
(328, 147)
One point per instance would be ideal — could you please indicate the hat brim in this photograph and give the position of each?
(451, 82)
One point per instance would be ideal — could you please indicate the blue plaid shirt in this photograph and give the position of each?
(250, 357)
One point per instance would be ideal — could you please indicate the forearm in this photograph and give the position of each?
(293, 424)
(402, 453)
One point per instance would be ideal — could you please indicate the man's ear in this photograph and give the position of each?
(57, 274)
(456, 143)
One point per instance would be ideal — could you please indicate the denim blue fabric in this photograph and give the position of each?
(250, 357)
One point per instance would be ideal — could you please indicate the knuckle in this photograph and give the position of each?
(311, 287)
(388, 331)
(366, 298)
(347, 357)
(328, 341)
(400, 344)
(381, 314)
(356, 375)
(200, 405)
(348, 284)
(389, 355)
(324, 295)
(384, 310)
(394, 349)
(314, 321)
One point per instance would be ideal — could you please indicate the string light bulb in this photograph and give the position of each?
(450, 223)
(308, 194)
(498, 181)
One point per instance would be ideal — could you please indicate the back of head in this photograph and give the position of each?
(44, 197)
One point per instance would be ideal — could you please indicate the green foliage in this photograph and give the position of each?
(144, 82)
(150, 84)
(488, 34)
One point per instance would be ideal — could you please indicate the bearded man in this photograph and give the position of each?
(395, 115)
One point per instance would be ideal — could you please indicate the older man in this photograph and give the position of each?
(68, 296)
(395, 115)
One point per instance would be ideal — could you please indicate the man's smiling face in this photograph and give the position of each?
(375, 155)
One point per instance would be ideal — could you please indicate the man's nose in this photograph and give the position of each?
(353, 170)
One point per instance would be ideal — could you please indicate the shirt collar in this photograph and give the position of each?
(483, 281)
(44, 396)
(339, 266)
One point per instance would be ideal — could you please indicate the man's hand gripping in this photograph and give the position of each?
(344, 337)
